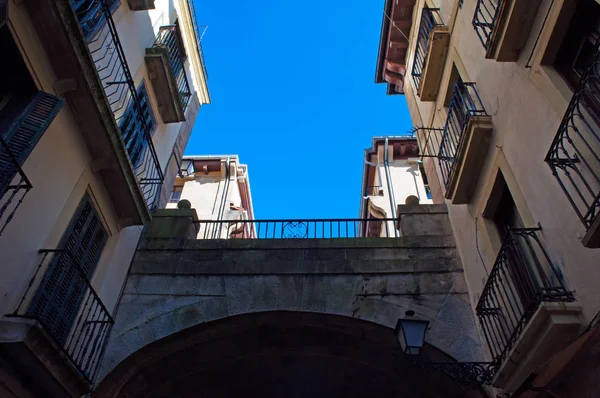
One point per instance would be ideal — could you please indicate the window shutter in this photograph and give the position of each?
(60, 293)
(3, 12)
(24, 133)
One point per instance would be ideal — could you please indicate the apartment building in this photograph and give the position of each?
(503, 95)
(97, 102)
(218, 189)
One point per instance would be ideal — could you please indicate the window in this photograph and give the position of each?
(25, 113)
(64, 285)
(90, 15)
(175, 195)
(454, 78)
(501, 208)
(579, 42)
(425, 180)
(132, 127)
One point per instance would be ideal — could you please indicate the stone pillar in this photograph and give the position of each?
(180, 223)
(415, 219)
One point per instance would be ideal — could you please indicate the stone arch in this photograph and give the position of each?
(280, 354)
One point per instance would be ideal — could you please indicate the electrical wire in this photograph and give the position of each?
(394, 25)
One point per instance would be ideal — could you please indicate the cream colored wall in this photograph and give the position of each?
(60, 178)
(526, 116)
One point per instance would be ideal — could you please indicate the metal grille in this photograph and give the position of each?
(465, 103)
(574, 156)
(60, 293)
(486, 18)
(430, 18)
(16, 143)
(116, 79)
(169, 37)
(297, 229)
(521, 279)
(198, 36)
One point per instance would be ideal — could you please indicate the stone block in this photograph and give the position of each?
(377, 254)
(138, 337)
(189, 315)
(290, 292)
(396, 284)
(436, 283)
(315, 292)
(155, 262)
(197, 285)
(264, 292)
(192, 266)
(151, 284)
(424, 224)
(342, 294)
(239, 294)
(214, 308)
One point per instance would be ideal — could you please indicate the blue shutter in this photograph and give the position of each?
(60, 293)
(132, 127)
(24, 133)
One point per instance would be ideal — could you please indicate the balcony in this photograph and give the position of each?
(374, 190)
(574, 156)
(141, 5)
(65, 318)
(503, 26)
(165, 63)
(464, 143)
(430, 54)
(524, 311)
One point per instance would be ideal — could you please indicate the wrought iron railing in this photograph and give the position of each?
(75, 318)
(485, 19)
(465, 103)
(169, 37)
(429, 140)
(111, 65)
(574, 155)
(297, 229)
(198, 36)
(521, 279)
(430, 18)
(12, 194)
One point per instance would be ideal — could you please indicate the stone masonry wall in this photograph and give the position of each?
(179, 283)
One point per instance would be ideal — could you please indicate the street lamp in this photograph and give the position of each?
(411, 333)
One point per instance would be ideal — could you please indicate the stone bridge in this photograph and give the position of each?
(185, 293)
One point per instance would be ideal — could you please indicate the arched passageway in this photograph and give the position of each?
(280, 354)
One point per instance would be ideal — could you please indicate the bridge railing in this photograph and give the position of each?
(298, 229)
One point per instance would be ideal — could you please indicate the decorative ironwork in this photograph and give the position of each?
(574, 156)
(521, 279)
(430, 19)
(470, 373)
(485, 19)
(198, 36)
(429, 140)
(109, 58)
(86, 338)
(465, 103)
(297, 229)
(169, 37)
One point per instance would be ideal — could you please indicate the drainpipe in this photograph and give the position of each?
(224, 197)
(389, 183)
(364, 185)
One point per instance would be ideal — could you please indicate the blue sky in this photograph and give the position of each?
(293, 93)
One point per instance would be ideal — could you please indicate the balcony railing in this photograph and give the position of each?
(430, 18)
(465, 103)
(485, 19)
(169, 37)
(521, 279)
(13, 194)
(574, 155)
(74, 317)
(198, 36)
(110, 61)
(297, 229)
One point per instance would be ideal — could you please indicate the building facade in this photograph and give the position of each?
(503, 95)
(218, 188)
(97, 103)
